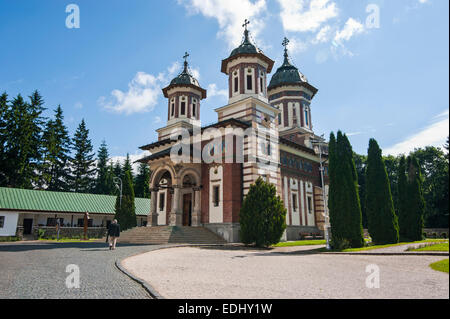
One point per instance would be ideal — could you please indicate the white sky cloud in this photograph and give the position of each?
(435, 134)
(350, 29)
(230, 15)
(306, 15)
(133, 157)
(214, 91)
(143, 92)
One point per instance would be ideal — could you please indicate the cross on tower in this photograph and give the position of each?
(186, 55)
(246, 23)
(285, 43)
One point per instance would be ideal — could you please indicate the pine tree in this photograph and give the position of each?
(83, 163)
(382, 220)
(104, 183)
(141, 184)
(344, 204)
(262, 216)
(416, 203)
(118, 171)
(23, 149)
(402, 209)
(125, 208)
(4, 119)
(56, 147)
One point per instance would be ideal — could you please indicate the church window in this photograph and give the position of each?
(294, 202)
(249, 82)
(309, 205)
(216, 198)
(194, 107)
(172, 108)
(306, 116)
(236, 84)
(183, 108)
(161, 202)
(279, 118)
(2, 221)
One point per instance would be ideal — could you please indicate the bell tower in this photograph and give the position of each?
(183, 94)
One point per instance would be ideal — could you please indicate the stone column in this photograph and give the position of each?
(152, 218)
(196, 214)
(176, 215)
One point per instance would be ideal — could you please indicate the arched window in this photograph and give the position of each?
(194, 107)
(307, 116)
(172, 107)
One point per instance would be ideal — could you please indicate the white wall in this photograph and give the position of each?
(10, 224)
(215, 179)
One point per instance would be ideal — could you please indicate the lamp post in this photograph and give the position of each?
(319, 143)
(118, 183)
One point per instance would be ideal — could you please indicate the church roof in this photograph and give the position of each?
(185, 79)
(247, 48)
(287, 74)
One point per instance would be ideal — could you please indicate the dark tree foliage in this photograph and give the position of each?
(262, 216)
(402, 209)
(344, 203)
(21, 153)
(83, 163)
(104, 181)
(434, 167)
(415, 206)
(360, 165)
(125, 209)
(56, 147)
(141, 181)
(382, 220)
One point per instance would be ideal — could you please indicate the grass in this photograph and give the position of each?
(387, 246)
(8, 239)
(440, 265)
(301, 243)
(436, 247)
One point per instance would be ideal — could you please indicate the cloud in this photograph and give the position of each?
(435, 134)
(133, 158)
(157, 120)
(143, 92)
(351, 28)
(78, 105)
(306, 15)
(230, 15)
(213, 91)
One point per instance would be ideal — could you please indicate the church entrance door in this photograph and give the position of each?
(187, 209)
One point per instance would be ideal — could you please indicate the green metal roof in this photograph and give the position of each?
(36, 200)
(287, 74)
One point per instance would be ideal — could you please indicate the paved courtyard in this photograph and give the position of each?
(38, 270)
(284, 273)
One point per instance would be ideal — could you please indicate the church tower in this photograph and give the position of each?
(290, 92)
(184, 94)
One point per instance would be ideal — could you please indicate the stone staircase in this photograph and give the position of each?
(158, 235)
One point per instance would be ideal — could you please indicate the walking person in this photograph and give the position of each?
(113, 233)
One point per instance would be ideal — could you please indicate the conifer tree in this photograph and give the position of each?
(83, 163)
(23, 149)
(262, 216)
(56, 147)
(344, 204)
(416, 203)
(141, 184)
(104, 181)
(382, 220)
(402, 209)
(125, 208)
(4, 118)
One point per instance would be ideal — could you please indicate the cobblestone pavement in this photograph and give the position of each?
(285, 273)
(38, 270)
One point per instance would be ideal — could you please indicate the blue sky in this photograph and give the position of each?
(388, 81)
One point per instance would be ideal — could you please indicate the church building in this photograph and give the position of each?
(204, 193)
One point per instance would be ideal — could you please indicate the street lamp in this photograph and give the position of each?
(321, 142)
(118, 181)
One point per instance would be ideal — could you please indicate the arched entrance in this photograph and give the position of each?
(190, 196)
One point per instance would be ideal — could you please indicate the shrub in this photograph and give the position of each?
(444, 235)
(434, 235)
(41, 233)
(340, 244)
(262, 216)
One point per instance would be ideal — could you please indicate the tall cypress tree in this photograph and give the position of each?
(343, 202)
(382, 220)
(56, 147)
(416, 203)
(83, 163)
(125, 209)
(402, 202)
(141, 182)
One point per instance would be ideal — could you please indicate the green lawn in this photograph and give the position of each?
(437, 247)
(440, 265)
(389, 245)
(301, 243)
